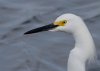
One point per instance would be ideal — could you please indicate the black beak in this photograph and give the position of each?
(41, 29)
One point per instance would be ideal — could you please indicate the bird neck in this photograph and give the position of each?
(83, 37)
(84, 42)
(84, 49)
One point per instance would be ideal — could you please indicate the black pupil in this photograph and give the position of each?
(64, 21)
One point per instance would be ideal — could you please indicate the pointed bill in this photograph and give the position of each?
(41, 29)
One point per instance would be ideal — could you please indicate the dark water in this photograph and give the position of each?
(47, 51)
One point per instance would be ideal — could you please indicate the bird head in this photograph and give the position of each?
(65, 23)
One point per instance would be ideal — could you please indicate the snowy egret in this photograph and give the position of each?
(84, 49)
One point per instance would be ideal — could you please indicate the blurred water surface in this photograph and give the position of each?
(47, 51)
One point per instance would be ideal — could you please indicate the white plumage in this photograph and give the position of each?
(84, 49)
(84, 45)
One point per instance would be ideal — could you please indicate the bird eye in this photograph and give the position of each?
(61, 23)
(65, 21)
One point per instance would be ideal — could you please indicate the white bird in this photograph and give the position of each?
(84, 49)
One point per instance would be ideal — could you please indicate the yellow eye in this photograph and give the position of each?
(65, 21)
(61, 23)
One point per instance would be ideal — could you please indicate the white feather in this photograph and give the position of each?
(84, 49)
